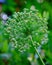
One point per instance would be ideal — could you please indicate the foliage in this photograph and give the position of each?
(24, 25)
(23, 32)
(9, 6)
(41, 5)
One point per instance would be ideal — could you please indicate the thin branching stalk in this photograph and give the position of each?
(37, 51)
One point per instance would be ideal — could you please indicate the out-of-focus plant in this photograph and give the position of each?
(9, 6)
(26, 30)
(41, 6)
(24, 25)
(3, 40)
(48, 8)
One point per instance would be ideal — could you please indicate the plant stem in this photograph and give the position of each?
(39, 55)
(37, 51)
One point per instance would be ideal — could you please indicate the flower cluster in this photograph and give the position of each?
(23, 25)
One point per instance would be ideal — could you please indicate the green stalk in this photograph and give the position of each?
(39, 55)
(37, 51)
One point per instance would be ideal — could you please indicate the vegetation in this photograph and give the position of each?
(26, 36)
(24, 31)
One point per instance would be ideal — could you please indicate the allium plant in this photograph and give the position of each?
(27, 29)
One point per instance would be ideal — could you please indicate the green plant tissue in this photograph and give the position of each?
(23, 25)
